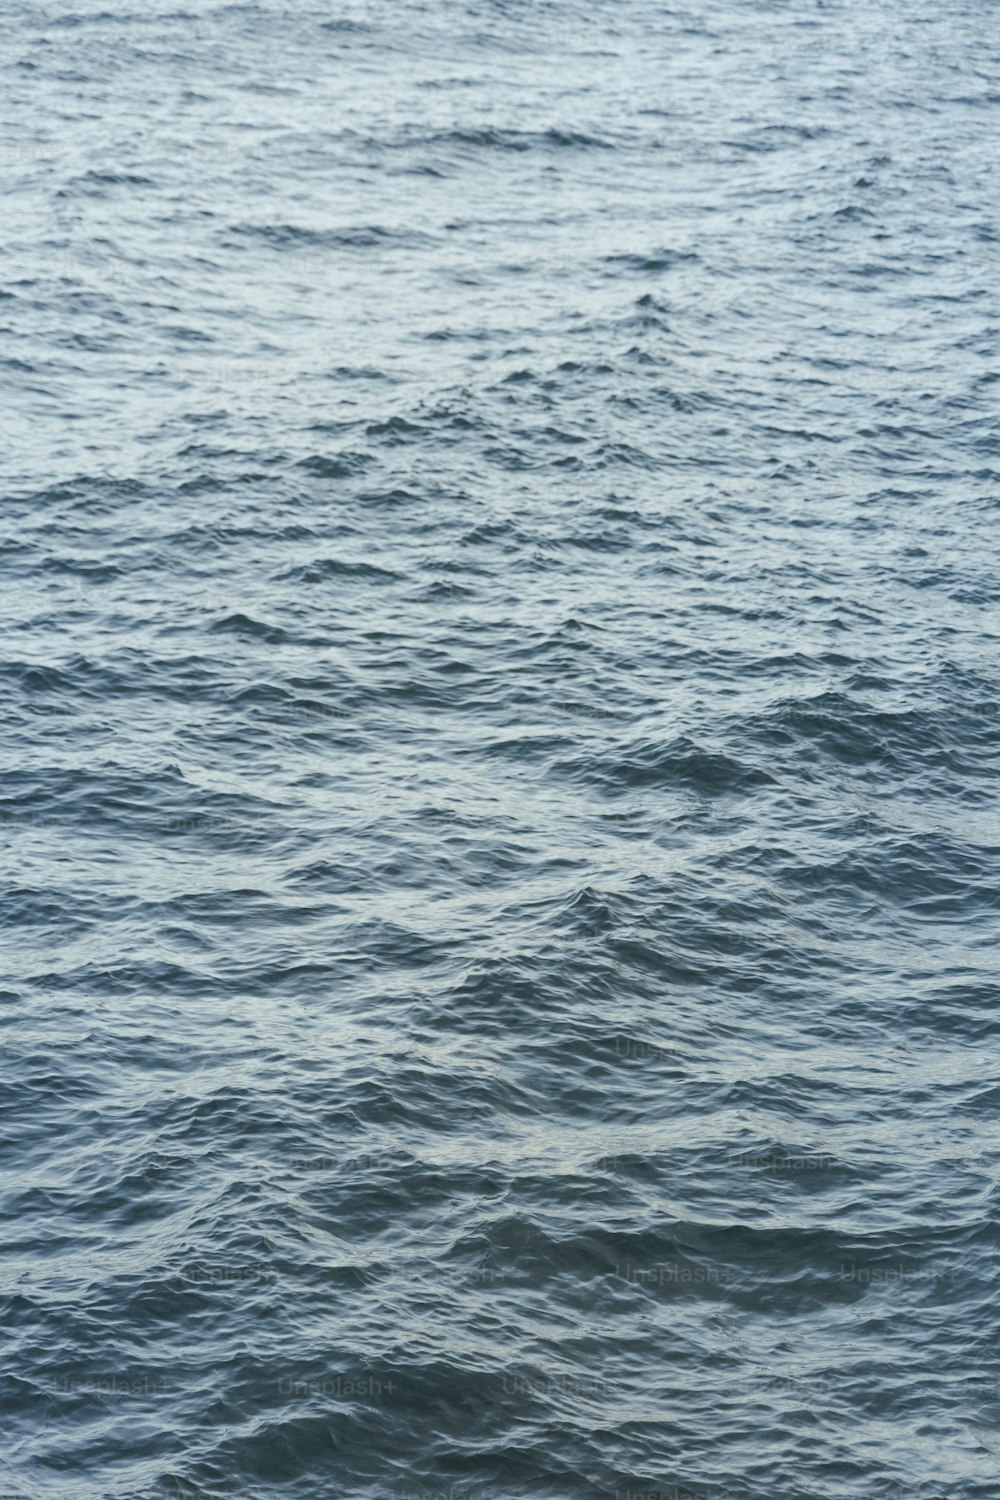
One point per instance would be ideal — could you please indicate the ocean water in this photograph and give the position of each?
(499, 742)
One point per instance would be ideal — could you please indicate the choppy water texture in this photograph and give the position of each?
(498, 726)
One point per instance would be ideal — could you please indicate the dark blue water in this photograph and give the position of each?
(499, 743)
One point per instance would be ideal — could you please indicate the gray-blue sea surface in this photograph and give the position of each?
(499, 745)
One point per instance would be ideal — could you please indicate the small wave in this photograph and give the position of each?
(334, 569)
(246, 625)
(346, 237)
(496, 138)
(341, 466)
(651, 261)
(678, 762)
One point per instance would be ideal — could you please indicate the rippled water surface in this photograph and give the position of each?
(499, 744)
